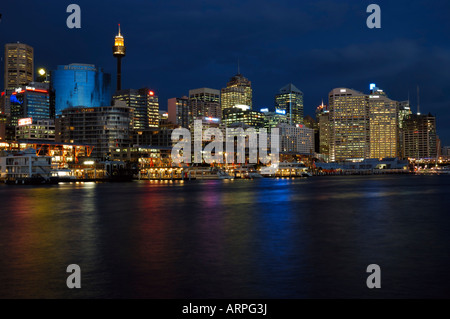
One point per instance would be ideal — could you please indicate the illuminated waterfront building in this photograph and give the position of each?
(144, 105)
(80, 85)
(419, 136)
(119, 52)
(178, 109)
(19, 65)
(34, 101)
(105, 128)
(238, 92)
(290, 99)
(205, 103)
(383, 117)
(349, 125)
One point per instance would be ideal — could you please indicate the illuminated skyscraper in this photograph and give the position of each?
(383, 117)
(179, 113)
(323, 118)
(349, 125)
(119, 52)
(419, 136)
(80, 85)
(33, 101)
(404, 109)
(19, 65)
(290, 100)
(238, 92)
(203, 103)
(144, 106)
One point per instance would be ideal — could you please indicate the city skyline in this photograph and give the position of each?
(316, 62)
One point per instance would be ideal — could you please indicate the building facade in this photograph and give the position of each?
(36, 130)
(349, 125)
(383, 117)
(404, 110)
(144, 105)
(296, 139)
(205, 103)
(238, 92)
(290, 100)
(419, 136)
(179, 113)
(323, 120)
(105, 128)
(34, 101)
(80, 85)
(19, 65)
(243, 115)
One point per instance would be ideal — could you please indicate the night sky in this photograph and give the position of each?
(177, 45)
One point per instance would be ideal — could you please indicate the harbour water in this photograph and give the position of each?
(269, 238)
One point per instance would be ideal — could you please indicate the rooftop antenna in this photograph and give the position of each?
(239, 66)
(418, 100)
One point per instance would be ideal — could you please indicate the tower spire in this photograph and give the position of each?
(119, 52)
(239, 66)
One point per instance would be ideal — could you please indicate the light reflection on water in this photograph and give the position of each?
(306, 238)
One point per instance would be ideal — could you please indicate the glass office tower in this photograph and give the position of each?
(81, 85)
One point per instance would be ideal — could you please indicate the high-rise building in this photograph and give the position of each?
(404, 109)
(383, 118)
(238, 92)
(290, 100)
(106, 128)
(80, 85)
(119, 52)
(19, 65)
(273, 119)
(313, 124)
(296, 139)
(144, 106)
(349, 124)
(243, 115)
(179, 113)
(33, 101)
(323, 118)
(419, 136)
(205, 102)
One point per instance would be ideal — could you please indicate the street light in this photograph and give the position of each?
(43, 75)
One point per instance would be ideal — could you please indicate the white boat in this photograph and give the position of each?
(206, 173)
(286, 169)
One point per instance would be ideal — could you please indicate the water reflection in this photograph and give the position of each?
(236, 239)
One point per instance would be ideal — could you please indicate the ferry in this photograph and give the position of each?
(206, 173)
(246, 172)
(286, 169)
(26, 168)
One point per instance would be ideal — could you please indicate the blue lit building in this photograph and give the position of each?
(81, 85)
(34, 101)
